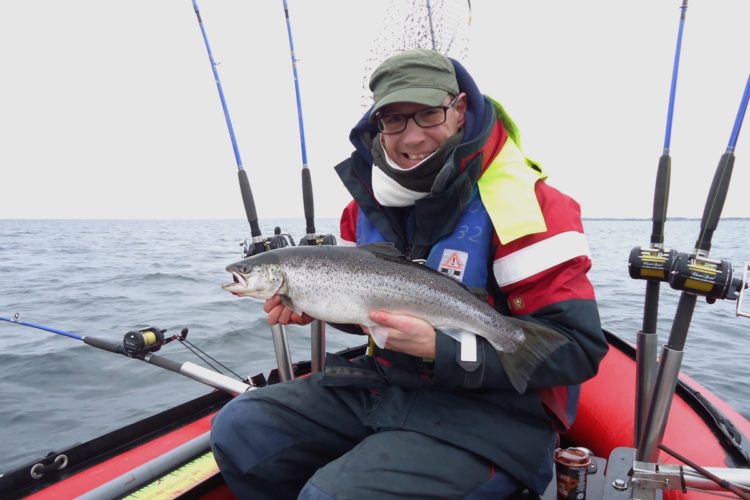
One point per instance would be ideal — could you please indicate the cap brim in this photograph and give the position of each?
(426, 96)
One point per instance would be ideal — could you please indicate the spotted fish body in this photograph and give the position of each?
(343, 284)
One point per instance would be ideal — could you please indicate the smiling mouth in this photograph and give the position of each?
(416, 157)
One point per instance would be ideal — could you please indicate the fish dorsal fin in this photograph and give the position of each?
(383, 249)
(478, 292)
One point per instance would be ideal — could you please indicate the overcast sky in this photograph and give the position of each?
(110, 110)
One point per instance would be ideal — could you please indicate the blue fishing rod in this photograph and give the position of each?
(317, 339)
(259, 244)
(142, 344)
(694, 275)
(247, 194)
(310, 238)
(653, 263)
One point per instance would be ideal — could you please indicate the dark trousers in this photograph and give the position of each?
(300, 439)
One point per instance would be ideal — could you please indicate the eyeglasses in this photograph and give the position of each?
(425, 118)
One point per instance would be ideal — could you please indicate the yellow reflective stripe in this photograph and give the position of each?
(507, 192)
(540, 256)
(181, 481)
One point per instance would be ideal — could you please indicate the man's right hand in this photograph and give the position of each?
(278, 313)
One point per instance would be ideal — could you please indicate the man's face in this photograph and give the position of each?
(412, 145)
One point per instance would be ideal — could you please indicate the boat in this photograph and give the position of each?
(167, 455)
(703, 446)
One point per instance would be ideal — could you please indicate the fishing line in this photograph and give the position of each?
(193, 348)
(432, 28)
(738, 490)
(440, 25)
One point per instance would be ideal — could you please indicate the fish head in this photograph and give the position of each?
(260, 280)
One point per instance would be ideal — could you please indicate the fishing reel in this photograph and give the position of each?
(710, 278)
(318, 240)
(139, 343)
(278, 240)
(651, 263)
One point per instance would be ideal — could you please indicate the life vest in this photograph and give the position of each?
(505, 202)
(463, 254)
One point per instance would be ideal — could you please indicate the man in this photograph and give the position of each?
(437, 171)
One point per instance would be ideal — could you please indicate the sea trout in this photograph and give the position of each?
(343, 284)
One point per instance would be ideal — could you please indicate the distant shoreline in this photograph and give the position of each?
(623, 219)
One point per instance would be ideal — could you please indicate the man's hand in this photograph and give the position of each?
(278, 313)
(407, 334)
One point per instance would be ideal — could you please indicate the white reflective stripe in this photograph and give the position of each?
(468, 347)
(540, 256)
(345, 243)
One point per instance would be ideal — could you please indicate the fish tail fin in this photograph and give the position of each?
(538, 343)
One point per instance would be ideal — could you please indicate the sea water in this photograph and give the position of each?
(103, 278)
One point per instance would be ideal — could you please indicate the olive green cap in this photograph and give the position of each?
(417, 75)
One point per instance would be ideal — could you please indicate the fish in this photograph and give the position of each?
(343, 284)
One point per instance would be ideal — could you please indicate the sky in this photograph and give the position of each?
(110, 109)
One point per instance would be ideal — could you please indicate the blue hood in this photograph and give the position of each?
(363, 132)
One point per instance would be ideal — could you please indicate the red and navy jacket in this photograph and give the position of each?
(536, 274)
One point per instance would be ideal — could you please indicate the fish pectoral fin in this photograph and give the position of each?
(379, 334)
(288, 302)
(479, 292)
(467, 355)
(539, 342)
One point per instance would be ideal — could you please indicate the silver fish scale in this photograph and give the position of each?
(342, 286)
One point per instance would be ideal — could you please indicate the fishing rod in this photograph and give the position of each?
(307, 194)
(693, 274)
(247, 194)
(142, 344)
(317, 351)
(258, 243)
(310, 238)
(653, 263)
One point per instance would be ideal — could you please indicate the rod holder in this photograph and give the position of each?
(317, 346)
(661, 401)
(646, 366)
(281, 348)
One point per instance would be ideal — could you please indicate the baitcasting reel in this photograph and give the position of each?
(318, 240)
(651, 263)
(139, 343)
(278, 240)
(710, 278)
(690, 273)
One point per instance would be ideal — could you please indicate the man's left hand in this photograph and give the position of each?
(407, 334)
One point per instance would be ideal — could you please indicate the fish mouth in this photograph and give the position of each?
(238, 284)
(238, 278)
